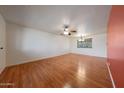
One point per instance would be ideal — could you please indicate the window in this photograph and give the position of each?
(87, 43)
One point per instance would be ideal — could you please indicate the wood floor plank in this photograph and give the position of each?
(69, 70)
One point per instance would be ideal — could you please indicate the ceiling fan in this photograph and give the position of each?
(68, 30)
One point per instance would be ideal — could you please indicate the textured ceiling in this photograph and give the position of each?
(85, 18)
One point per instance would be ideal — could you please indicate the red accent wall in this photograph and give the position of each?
(116, 44)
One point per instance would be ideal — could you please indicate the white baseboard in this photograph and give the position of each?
(112, 80)
(45, 57)
(36, 59)
(1, 69)
(87, 54)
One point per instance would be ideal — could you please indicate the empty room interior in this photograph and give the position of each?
(61, 46)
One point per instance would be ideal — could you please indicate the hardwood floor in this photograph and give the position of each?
(69, 70)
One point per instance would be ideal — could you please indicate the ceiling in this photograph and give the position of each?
(51, 18)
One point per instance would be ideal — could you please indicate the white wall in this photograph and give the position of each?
(2, 44)
(99, 46)
(26, 44)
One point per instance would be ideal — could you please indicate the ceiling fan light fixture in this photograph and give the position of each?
(66, 32)
(66, 29)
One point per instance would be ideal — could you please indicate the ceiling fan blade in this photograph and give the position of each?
(73, 31)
